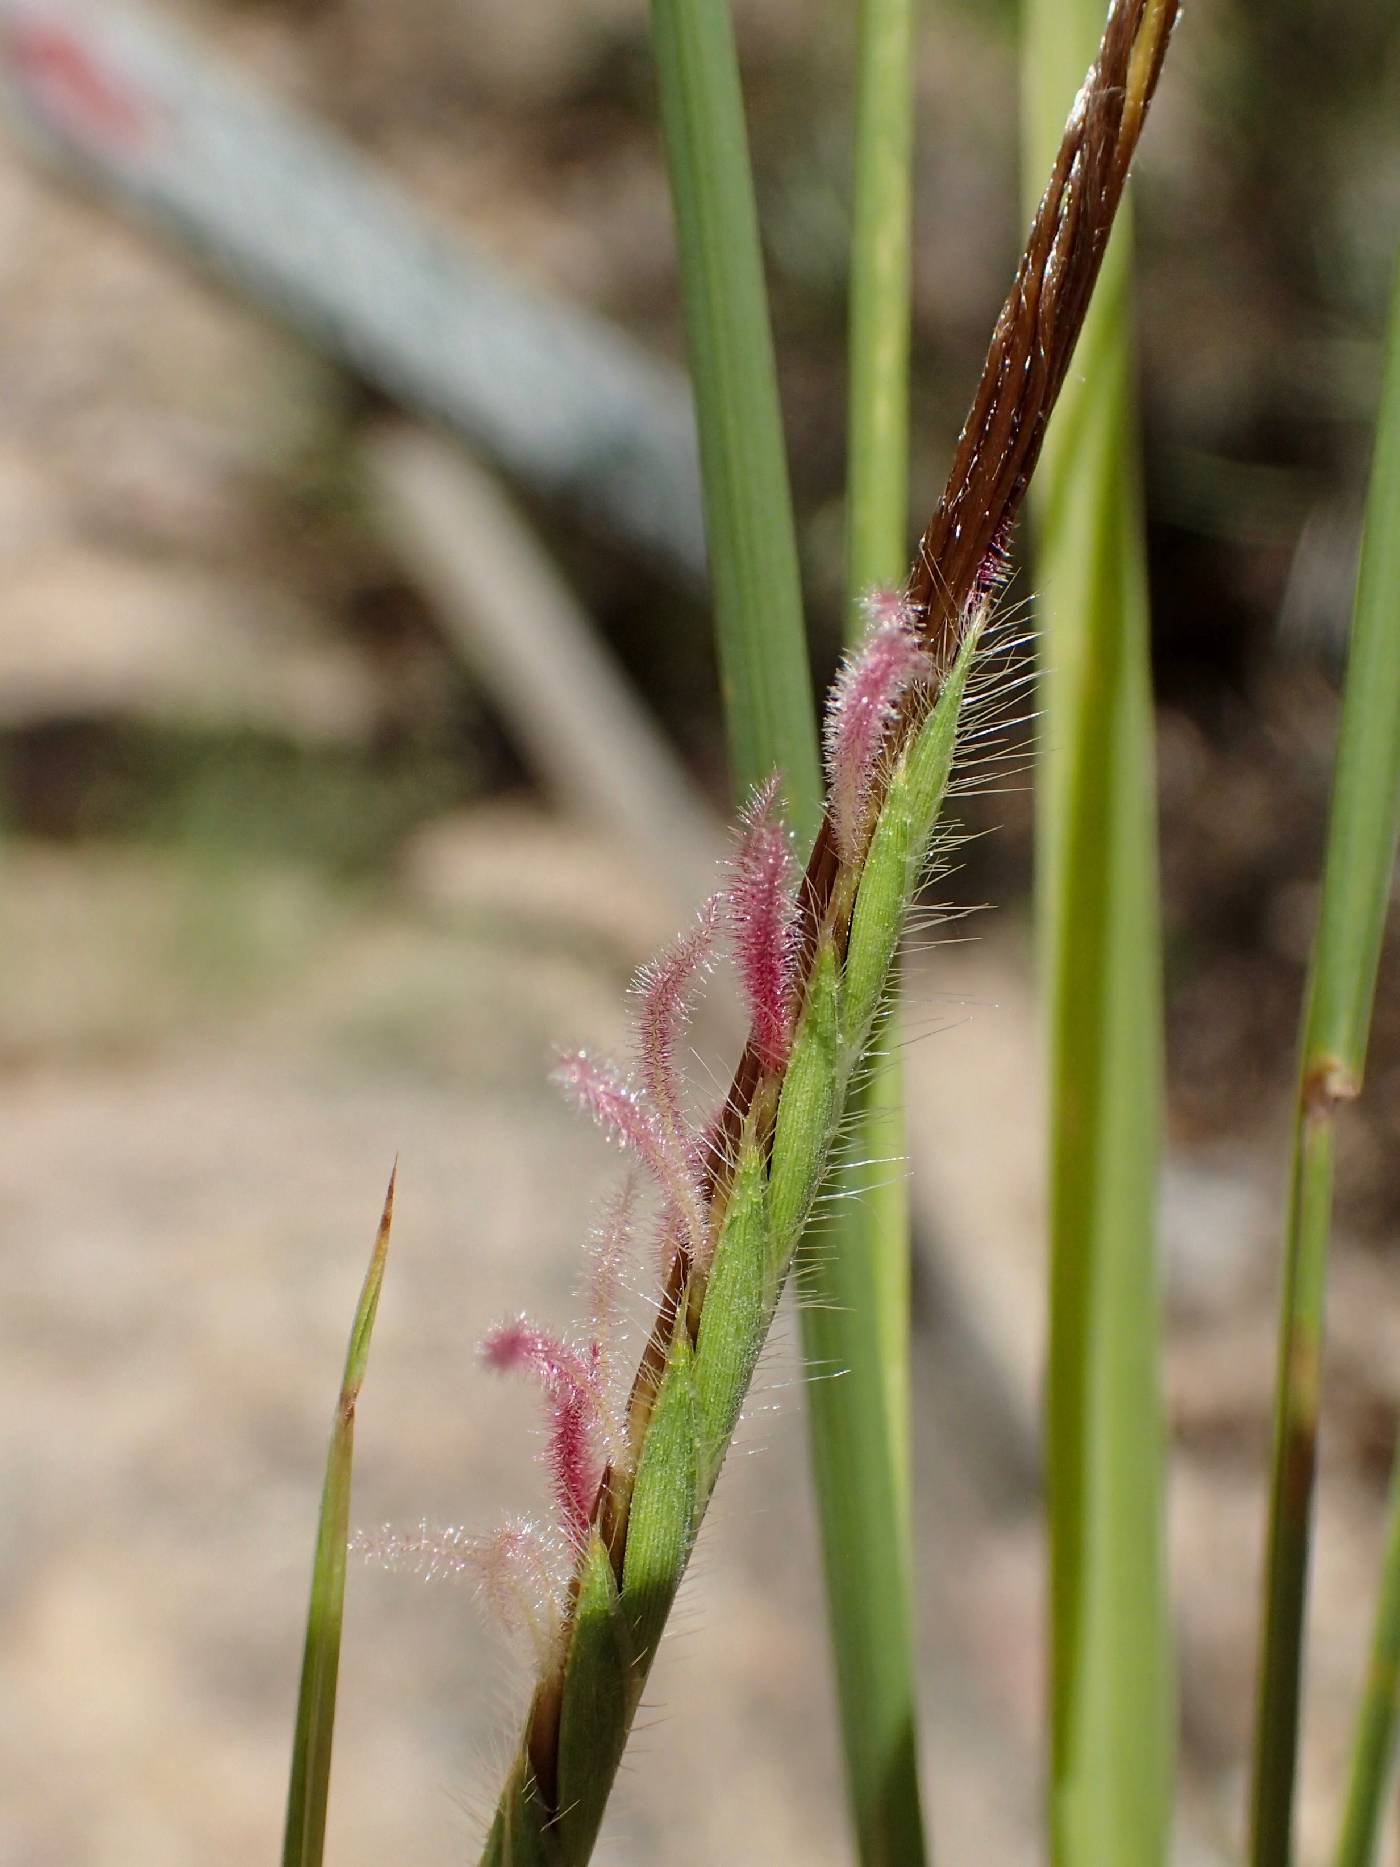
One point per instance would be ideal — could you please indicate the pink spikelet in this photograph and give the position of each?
(763, 923)
(627, 1116)
(577, 1406)
(864, 701)
(666, 990)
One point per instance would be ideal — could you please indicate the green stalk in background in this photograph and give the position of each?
(305, 1836)
(1336, 1021)
(1111, 1676)
(750, 535)
(855, 1320)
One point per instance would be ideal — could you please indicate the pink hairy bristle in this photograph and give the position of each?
(864, 701)
(666, 989)
(627, 1115)
(763, 923)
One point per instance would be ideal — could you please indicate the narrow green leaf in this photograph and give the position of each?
(593, 1718)
(1336, 1022)
(1111, 1693)
(734, 1320)
(752, 544)
(305, 1835)
(665, 1503)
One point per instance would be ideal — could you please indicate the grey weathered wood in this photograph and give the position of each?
(521, 630)
(295, 217)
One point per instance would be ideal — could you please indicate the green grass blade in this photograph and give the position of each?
(305, 1834)
(1336, 1021)
(1111, 1684)
(749, 527)
(856, 1316)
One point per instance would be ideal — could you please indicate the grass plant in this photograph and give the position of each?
(815, 954)
(835, 837)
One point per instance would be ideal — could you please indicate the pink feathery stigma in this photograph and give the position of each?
(763, 923)
(626, 1115)
(572, 1386)
(431, 1551)
(609, 1251)
(576, 1468)
(516, 1570)
(516, 1577)
(666, 989)
(520, 1345)
(864, 700)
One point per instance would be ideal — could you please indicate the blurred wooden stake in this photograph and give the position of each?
(521, 631)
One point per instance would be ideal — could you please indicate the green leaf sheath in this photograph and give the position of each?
(596, 1702)
(736, 1307)
(807, 1115)
(519, 1837)
(665, 1501)
(1111, 1674)
(309, 1789)
(764, 674)
(1356, 887)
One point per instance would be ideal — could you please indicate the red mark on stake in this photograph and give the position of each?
(72, 89)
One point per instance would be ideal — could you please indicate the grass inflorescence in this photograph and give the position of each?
(816, 951)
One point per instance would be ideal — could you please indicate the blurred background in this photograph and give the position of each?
(356, 745)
